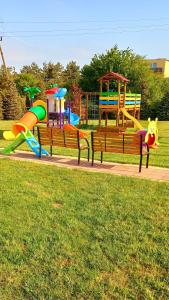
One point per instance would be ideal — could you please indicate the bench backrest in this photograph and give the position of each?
(110, 129)
(45, 135)
(72, 139)
(59, 137)
(117, 142)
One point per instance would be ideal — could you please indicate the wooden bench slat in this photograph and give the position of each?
(114, 150)
(62, 138)
(118, 142)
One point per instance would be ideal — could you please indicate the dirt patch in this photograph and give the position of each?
(57, 205)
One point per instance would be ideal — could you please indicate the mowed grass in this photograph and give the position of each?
(158, 157)
(68, 234)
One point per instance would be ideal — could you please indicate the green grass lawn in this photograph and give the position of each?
(68, 234)
(159, 157)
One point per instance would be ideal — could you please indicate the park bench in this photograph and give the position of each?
(58, 137)
(123, 143)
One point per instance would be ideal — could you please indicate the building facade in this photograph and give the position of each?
(159, 66)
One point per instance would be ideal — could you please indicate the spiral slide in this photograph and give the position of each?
(21, 130)
(74, 119)
(130, 117)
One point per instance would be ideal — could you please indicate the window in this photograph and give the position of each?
(153, 66)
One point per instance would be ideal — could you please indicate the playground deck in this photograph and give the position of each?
(152, 173)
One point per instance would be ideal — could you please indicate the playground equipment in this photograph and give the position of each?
(32, 92)
(84, 104)
(53, 113)
(151, 137)
(57, 114)
(93, 105)
(123, 104)
(130, 117)
(55, 106)
(21, 130)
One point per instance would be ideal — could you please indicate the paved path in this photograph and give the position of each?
(153, 173)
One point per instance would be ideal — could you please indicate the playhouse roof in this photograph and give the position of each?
(51, 91)
(111, 76)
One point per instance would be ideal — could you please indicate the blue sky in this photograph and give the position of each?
(64, 30)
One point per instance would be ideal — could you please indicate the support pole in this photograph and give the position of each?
(80, 108)
(87, 106)
(3, 60)
(119, 99)
(124, 102)
(101, 89)
(108, 86)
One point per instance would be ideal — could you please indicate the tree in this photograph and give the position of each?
(33, 69)
(124, 62)
(25, 79)
(1, 106)
(29, 80)
(13, 104)
(163, 108)
(53, 73)
(71, 74)
(135, 68)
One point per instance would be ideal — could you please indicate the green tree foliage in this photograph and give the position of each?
(154, 93)
(1, 106)
(142, 80)
(124, 62)
(154, 88)
(25, 79)
(71, 74)
(13, 104)
(163, 108)
(53, 73)
(29, 80)
(33, 69)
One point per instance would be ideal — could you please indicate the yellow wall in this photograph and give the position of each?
(161, 63)
(166, 72)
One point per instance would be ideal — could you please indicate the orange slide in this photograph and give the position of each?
(71, 127)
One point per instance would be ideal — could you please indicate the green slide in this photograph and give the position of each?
(31, 142)
(16, 143)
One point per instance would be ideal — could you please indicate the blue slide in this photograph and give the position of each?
(33, 144)
(74, 119)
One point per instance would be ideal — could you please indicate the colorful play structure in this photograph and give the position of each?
(59, 113)
(32, 92)
(52, 112)
(124, 105)
(151, 137)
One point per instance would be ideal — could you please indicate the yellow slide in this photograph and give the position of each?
(130, 117)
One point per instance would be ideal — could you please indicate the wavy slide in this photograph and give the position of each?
(130, 117)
